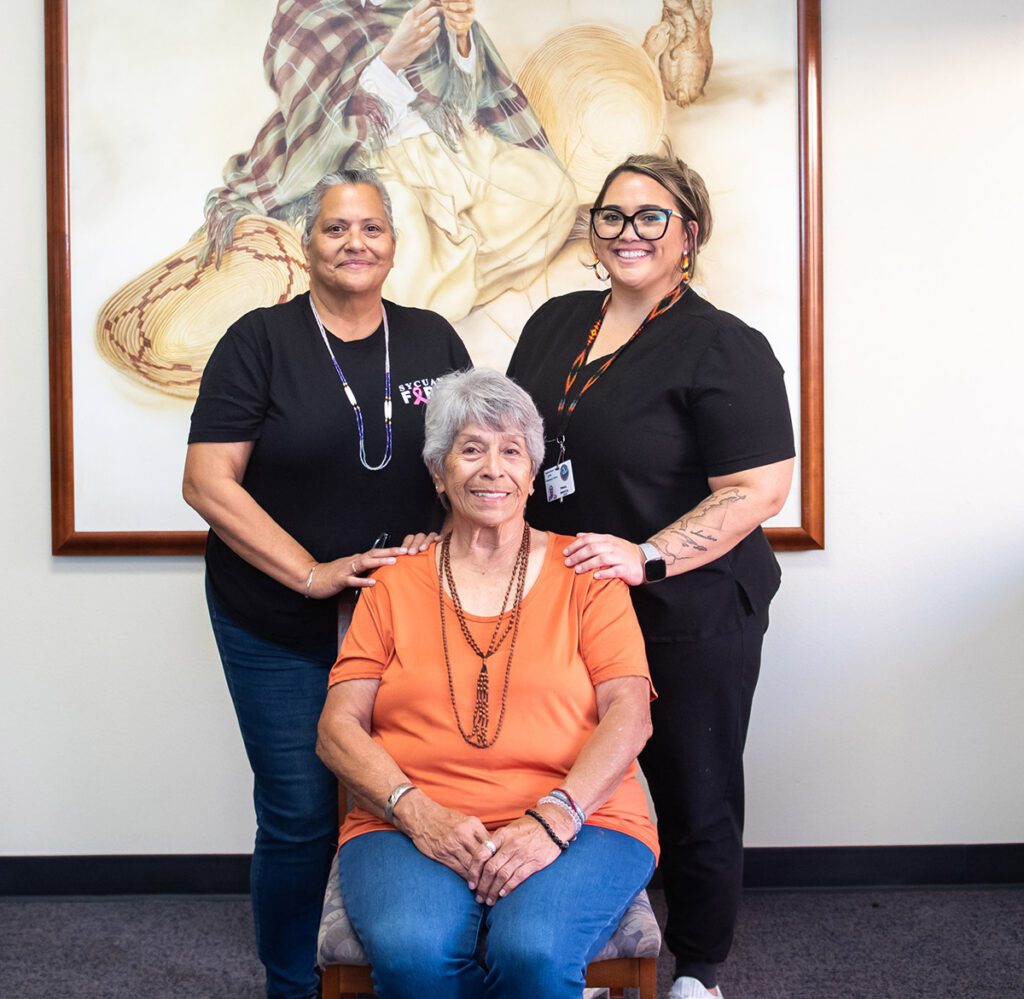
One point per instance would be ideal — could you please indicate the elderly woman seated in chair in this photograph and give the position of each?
(486, 711)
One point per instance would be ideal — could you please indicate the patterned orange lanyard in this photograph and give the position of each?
(565, 407)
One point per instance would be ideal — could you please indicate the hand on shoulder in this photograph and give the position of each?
(607, 556)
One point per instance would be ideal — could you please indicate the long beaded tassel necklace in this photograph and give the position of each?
(352, 396)
(481, 710)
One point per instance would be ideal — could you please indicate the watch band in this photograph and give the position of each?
(655, 568)
(394, 798)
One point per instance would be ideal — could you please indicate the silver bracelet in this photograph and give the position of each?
(309, 578)
(394, 798)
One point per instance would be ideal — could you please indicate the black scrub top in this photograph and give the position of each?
(698, 393)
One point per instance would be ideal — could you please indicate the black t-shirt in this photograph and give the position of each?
(270, 380)
(698, 393)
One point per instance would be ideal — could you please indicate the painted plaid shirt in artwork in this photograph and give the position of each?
(325, 121)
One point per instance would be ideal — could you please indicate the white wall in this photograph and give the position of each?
(890, 705)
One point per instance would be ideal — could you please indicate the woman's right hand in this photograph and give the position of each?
(443, 834)
(416, 32)
(330, 578)
(459, 17)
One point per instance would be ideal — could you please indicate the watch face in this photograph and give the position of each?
(654, 570)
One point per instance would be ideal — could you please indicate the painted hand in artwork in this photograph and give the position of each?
(680, 46)
(459, 16)
(416, 32)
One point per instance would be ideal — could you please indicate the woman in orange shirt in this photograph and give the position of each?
(486, 710)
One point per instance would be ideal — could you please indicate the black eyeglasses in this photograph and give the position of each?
(648, 223)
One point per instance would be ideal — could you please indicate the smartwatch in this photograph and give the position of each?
(654, 563)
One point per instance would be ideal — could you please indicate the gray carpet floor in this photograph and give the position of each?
(864, 944)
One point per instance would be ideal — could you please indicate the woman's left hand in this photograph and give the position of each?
(612, 557)
(523, 848)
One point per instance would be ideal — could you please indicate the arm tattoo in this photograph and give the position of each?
(704, 523)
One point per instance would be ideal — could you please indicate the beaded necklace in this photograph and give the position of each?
(477, 736)
(565, 407)
(352, 396)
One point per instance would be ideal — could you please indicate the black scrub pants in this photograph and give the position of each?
(694, 766)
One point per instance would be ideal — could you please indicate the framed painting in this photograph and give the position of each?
(150, 118)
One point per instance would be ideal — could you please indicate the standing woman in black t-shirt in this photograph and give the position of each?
(670, 443)
(304, 458)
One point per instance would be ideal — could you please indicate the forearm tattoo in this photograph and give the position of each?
(690, 536)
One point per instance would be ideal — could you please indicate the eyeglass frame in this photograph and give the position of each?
(631, 220)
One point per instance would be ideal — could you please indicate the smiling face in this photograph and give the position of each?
(487, 476)
(352, 248)
(643, 265)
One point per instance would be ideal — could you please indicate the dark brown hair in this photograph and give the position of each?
(682, 182)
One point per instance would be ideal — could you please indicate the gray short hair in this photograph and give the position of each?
(484, 397)
(343, 178)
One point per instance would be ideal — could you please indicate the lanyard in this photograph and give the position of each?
(351, 396)
(565, 407)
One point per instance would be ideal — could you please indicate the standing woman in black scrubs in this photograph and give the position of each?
(669, 443)
(304, 459)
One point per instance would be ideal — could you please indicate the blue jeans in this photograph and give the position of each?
(278, 695)
(420, 924)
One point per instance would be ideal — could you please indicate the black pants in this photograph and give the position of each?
(694, 766)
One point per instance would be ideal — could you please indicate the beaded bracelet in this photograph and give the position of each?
(550, 799)
(536, 816)
(560, 792)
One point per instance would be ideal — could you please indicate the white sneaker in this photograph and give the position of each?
(690, 988)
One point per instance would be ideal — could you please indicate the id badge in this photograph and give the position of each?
(558, 481)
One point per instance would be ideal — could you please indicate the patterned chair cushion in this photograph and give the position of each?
(637, 935)
(337, 942)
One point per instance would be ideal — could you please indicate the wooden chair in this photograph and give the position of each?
(628, 960)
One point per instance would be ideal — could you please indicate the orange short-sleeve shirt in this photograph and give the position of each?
(575, 632)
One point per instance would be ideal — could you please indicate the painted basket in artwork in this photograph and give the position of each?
(160, 328)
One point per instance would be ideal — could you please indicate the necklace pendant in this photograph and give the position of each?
(477, 735)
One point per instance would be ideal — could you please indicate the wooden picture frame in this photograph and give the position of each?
(68, 539)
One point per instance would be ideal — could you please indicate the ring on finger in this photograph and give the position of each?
(354, 573)
(490, 847)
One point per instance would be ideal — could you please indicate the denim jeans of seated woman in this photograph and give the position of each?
(420, 924)
(278, 694)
